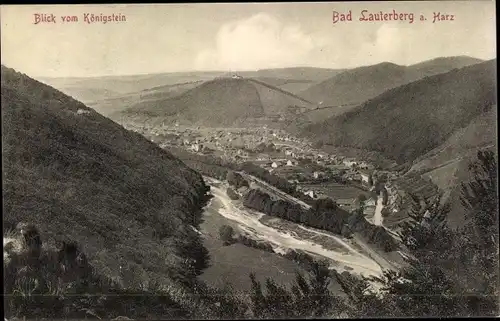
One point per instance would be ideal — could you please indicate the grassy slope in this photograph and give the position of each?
(357, 85)
(235, 262)
(276, 101)
(220, 102)
(217, 102)
(293, 73)
(93, 89)
(431, 109)
(85, 178)
(443, 64)
(462, 145)
(447, 165)
(293, 86)
(112, 106)
(125, 84)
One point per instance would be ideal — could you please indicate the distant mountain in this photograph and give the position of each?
(294, 86)
(312, 74)
(443, 64)
(221, 102)
(293, 79)
(93, 89)
(120, 102)
(80, 176)
(409, 121)
(353, 87)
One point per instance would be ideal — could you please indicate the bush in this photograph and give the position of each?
(232, 194)
(236, 180)
(264, 246)
(302, 258)
(361, 198)
(59, 283)
(226, 234)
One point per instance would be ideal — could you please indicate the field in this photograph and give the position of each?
(233, 263)
(417, 186)
(336, 191)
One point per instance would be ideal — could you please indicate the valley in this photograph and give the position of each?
(255, 161)
(260, 161)
(243, 146)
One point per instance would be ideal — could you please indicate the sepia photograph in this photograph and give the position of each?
(317, 160)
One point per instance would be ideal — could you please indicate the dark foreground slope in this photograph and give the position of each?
(406, 122)
(79, 176)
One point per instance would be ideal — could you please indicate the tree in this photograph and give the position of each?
(360, 302)
(324, 205)
(361, 199)
(226, 234)
(236, 180)
(480, 199)
(196, 257)
(318, 144)
(370, 180)
(232, 194)
(385, 197)
(307, 298)
(451, 272)
(257, 298)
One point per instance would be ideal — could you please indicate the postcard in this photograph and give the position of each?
(250, 160)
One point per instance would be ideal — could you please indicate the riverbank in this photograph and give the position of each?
(232, 264)
(291, 236)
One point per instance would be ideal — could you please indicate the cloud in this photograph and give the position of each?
(392, 42)
(388, 45)
(261, 41)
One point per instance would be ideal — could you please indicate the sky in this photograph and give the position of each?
(229, 37)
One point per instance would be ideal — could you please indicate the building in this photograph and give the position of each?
(197, 147)
(274, 165)
(349, 162)
(82, 112)
(317, 174)
(363, 165)
(370, 202)
(345, 202)
(365, 176)
(311, 194)
(289, 163)
(369, 211)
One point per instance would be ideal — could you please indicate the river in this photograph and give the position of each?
(348, 259)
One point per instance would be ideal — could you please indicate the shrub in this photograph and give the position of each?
(236, 180)
(232, 194)
(264, 246)
(226, 234)
(361, 198)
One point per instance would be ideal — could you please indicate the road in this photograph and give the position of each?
(384, 263)
(273, 190)
(377, 217)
